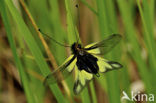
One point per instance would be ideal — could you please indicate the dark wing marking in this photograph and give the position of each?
(56, 76)
(78, 87)
(105, 65)
(107, 44)
(114, 66)
(82, 79)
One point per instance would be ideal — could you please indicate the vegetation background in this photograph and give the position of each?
(26, 56)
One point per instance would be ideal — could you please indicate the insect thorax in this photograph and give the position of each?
(76, 48)
(85, 61)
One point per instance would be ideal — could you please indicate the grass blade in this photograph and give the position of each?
(23, 76)
(24, 31)
(131, 35)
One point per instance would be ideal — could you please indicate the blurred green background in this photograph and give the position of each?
(26, 56)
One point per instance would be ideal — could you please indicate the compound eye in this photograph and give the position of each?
(79, 46)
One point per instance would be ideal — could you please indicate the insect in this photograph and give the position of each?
(86, 62)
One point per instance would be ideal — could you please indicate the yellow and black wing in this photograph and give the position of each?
(64, 70)
(82, 78)
(105, 65)
(106, 45)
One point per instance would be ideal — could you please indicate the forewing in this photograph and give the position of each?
(82, 78)
(106, 45)
(105, 65)
(62, 72)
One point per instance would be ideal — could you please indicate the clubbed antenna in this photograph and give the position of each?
(52, 38)
(77, 7)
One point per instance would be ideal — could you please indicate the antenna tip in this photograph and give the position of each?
(77, 5)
